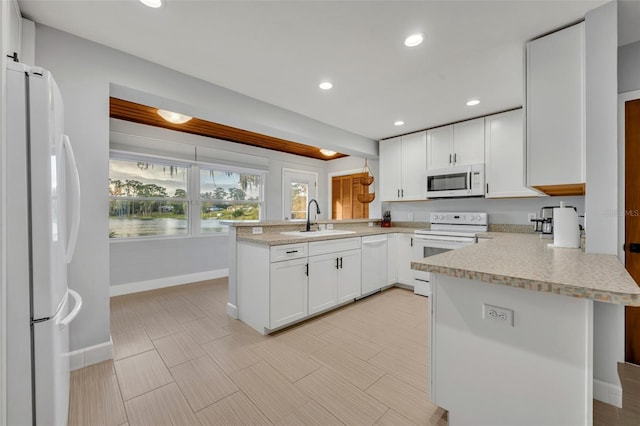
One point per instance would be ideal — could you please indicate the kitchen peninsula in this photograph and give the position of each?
(512, 329)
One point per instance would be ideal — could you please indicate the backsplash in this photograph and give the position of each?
(506, 211)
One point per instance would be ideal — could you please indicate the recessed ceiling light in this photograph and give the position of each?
(413, 40)
(152, 3)
(473, 102)
(325, 85)
(327, 152)
(398, 123)
(173, 117)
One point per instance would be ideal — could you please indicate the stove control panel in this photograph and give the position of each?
(465, 218)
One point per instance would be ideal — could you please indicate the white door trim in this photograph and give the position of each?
(285, 199)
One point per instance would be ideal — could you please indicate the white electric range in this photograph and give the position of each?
(449, 231)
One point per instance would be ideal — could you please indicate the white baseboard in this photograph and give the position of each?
(606, 392)
(91, 355)
(232, 311)
(136, 287)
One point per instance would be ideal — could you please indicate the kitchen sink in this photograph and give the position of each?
(322, 233)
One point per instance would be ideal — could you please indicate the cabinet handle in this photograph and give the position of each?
(306, 272)
(341, 263)
(292, 251)
(449, 158)
(398, 193)
(455, 156)
(412, 242)
(402, 193)
(487, 188)
(337, 263)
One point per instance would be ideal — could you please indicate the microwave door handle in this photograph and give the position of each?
(469, 180)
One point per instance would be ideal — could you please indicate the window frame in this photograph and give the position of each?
(193, 200)
(286, 206)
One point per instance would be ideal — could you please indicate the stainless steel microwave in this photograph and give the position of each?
(457, 181)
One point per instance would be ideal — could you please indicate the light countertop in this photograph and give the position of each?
(275, 238)
(525, 261)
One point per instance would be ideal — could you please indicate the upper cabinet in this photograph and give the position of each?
(457, 144)
(403, 168)
(555, 112)
(504, 155)
(13, 21)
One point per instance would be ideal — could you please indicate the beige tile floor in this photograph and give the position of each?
(180, 360)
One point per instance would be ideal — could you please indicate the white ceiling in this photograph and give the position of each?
(279, 51)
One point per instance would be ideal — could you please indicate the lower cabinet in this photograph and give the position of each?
(288, 292)
(404, 251)
(334, 273)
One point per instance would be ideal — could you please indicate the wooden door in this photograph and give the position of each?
(344, 198)
(632, 223)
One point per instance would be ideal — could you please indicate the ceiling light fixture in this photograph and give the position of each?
(398, 123)
(325, 85)
(327, 152)
(152, 3)
(414, 40)
(473, 102)
(173, 117)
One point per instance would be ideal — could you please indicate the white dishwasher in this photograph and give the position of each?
(374, 263)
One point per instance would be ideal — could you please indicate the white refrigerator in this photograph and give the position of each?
(42, 211)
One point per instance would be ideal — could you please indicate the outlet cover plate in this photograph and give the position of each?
(256, 230)
(497, 314)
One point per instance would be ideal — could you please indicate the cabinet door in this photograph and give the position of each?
(323, 277)
(288, 292)
(390, 169)
(374, 263)
(468, 142)
(440, 147)
(556, 108)
(414, 166)
(405, 254)
(392, 259)
(504, 154)
(349, 275)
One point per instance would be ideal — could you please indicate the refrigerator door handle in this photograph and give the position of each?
(75, 181)
(74, 312)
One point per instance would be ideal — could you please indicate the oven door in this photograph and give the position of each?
(426, 246)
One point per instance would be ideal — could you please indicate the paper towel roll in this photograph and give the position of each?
(566, 232)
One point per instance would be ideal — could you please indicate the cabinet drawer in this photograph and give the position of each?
(332, 246)
(288, 251)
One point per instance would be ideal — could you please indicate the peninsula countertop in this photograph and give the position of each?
(525, 261)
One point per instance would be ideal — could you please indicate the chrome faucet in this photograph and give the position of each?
(308, 228)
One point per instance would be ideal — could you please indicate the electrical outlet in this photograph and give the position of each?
(329, 225)
(256, 230)
(497, 314)
(410, 217)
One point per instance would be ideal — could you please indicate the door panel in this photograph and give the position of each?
(632, 224)
(344, 197)
(349, 275)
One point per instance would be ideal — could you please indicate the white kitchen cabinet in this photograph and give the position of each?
(13, 21)
(392, 258)
(403, 166)
(288, 292)
(504, 155)
(405, 255)
(374, 263)
(457, 144)
(440, 147)
(334, 273)
(555, 111)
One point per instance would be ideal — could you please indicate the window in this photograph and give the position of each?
(147, 199)
(228, 195)
(298, 188)
(157, 197)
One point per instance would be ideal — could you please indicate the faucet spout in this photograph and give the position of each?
(308, 227)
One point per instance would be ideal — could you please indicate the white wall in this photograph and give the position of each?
(501, 211)
(628, 66)
(139, 260)
(601, 32)
(3, 281)
(84, 71)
